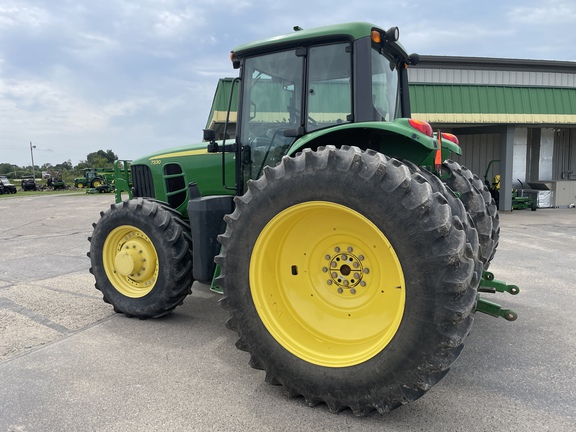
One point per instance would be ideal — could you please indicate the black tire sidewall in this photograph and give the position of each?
(160, 297)
(420, 340)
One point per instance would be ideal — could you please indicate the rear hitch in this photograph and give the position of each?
(489, 285)
(494, 309)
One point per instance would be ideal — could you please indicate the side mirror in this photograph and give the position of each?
(209, 135)
(413, 59)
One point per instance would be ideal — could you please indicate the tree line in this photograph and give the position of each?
(65, 170)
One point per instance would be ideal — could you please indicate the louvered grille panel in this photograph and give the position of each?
(142, 181)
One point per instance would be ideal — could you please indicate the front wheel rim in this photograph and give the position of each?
(327, 284)
(130, 261)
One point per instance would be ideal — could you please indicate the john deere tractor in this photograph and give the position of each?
(349, 247)
(94, 177)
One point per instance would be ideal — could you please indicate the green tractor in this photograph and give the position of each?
(94, 177)
(350, 248)
(519, 201)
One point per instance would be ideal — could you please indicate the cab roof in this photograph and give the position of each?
(350, 31)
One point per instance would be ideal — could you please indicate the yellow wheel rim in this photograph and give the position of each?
(97, 183)
(130, 261)
(327, 284)
(80, 185)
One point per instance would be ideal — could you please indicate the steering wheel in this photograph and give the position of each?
(296, 113)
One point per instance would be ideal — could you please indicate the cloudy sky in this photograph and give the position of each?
(136, 76)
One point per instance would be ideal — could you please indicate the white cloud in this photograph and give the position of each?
(14, 14)
(552, 12)
(78, 76)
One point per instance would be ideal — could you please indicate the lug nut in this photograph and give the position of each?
(366, 270)
(340, 290)
(327, 257)
(345, 257)
(362, 283)
(357, 275)
(329, 282)
(324, 269)
(336, 249)
(345, 282)
(350, 249)
(356, 265)
(352, 291)
(334, 274)
(361, 257)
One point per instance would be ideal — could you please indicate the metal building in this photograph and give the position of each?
(520, 112)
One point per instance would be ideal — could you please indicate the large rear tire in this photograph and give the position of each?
(141, 258)
(96, 182)
(459, 211)
(479, 203)
(348, 279)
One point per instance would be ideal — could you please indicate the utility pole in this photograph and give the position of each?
(32, 156)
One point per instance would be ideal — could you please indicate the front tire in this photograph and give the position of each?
(141, 258)
(348, 280)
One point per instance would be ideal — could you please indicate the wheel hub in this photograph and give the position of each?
(130, 261)
(347, 269)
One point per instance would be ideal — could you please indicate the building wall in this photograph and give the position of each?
(477, 152)
(480, 99)
(491, 77)
(564, 167)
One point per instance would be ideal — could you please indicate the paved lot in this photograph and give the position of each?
(67, 362)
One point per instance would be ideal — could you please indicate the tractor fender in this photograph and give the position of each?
(396, 139)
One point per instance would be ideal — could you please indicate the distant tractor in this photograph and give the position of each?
(94, 177)
(519, 202)
(350, 248)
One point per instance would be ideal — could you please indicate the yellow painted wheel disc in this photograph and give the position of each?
(97, 183)
(327, 284)
(130, 261)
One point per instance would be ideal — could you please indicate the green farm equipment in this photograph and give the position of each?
(350, 248)
(519, 201)
(94, 177)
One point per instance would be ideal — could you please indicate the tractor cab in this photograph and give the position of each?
(308, 82)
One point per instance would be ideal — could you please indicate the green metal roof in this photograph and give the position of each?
(220, 102)
(503, 104)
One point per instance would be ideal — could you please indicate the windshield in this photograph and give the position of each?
(384, 85)
(329, 89)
